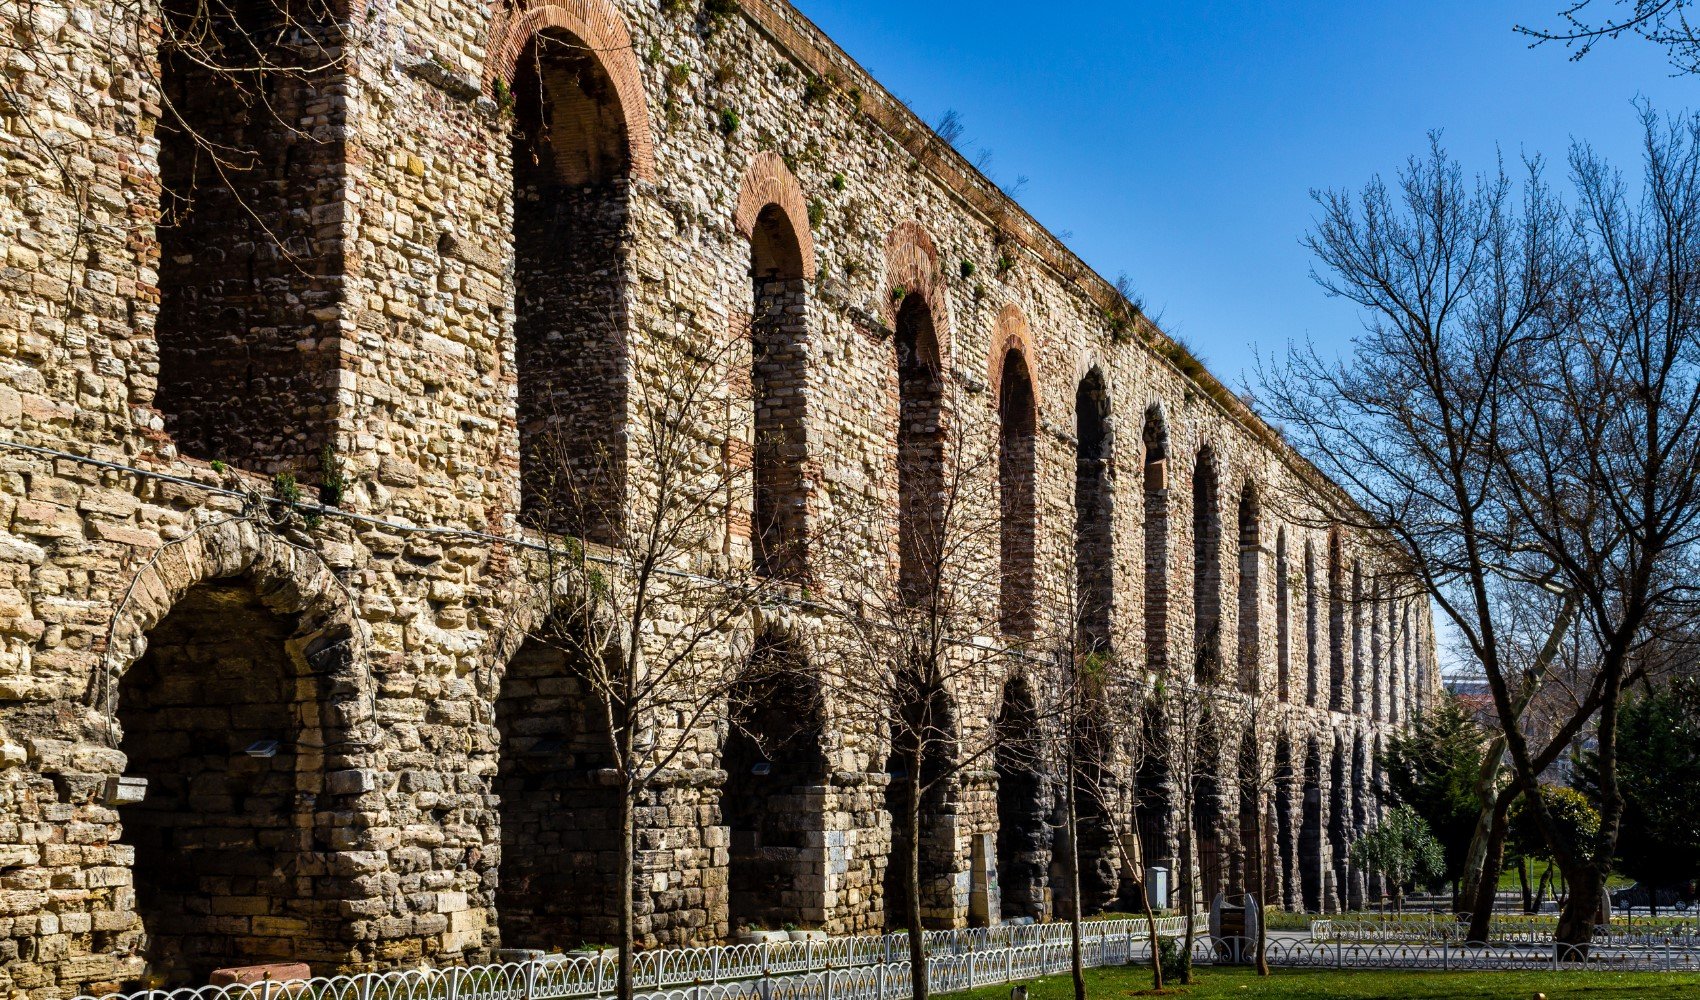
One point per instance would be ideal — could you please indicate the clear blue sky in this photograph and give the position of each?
(1179, 141)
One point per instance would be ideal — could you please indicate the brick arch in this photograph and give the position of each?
(601, 27)
(912, 264)
(768, 181)
(1010, 333)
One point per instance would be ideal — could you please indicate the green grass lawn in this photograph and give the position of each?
(1244, 984)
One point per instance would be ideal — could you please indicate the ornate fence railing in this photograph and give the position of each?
(1504, 930)
(878, 969)
(656, 973)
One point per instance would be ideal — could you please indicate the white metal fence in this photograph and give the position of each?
(877, 968)
(1433, 928)
(661, 973)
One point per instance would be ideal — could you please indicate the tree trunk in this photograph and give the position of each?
(1254, 904)
(1488, 796)
(912, 885)
(1576, 921)
(1151, 929)
(1487, 889)
(1523, 884)
(1187, 890)
(628, 866)
(1076, 958)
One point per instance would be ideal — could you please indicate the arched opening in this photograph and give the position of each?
(1155, 801)
(1094, 522)
(1379, 668)
(1155, 440)
(1100, 861)
(560, 824)
(571, 197)
(919, 765)
(1017, 455)
(1249, 587)
(778, 349)
(1289, 790)
(1283, 619)
(1023, 839)
(1360, 818)
(1337, 636)
(772, 804)
(1251, 871)
(225, 717)
(250, 249)
(1355, 612)
(920, 447)
(1207, 820)
(1419, 664)
(1313, 630)
(1401, 690)
(1339, 822)
(1207, 570)
(1311, 833)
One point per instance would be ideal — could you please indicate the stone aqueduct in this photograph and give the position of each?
(484, 207)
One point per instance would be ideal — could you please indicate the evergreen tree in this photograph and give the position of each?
(1432, 768)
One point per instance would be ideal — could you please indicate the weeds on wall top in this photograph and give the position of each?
(816, 89)
(840, 182)
(817, 213)
(730, 120)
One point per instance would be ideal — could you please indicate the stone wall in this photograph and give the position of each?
(487, 235)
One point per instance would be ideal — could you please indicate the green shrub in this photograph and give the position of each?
(1170, 958)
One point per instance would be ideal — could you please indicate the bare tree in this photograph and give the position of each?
(1182, 724)
(1580, 26)
(1519, 419)
(1093, 748)
(1258, 722)
(653, 620)
(920, 624)
(1603, 452)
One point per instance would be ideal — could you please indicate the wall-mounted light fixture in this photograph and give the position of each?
(264, 748)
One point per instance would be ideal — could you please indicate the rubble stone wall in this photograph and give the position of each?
(411, 323)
